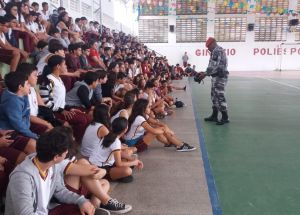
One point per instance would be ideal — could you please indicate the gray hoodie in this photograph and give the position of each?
(23, 189)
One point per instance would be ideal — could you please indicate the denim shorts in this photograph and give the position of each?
(133, 142)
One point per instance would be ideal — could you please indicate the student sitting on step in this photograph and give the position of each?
(85, 179)
(97, 129)
(81, 96)
(53, 93)
(14, 106)
(38, 178)
(142, 131)
(107, 154)
(8, 53)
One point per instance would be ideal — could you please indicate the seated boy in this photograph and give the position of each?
(8, 53)
(98, 91)
(84, 63)
(14, 105)
(37, 179)
(83, 178)
(72, 59)
(81, 95)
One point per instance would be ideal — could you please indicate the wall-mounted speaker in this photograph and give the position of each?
(172, 28)
(250, 27)
(293, 22)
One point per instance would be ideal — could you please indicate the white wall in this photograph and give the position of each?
(115, 13)
(245, 56)
(241, 56)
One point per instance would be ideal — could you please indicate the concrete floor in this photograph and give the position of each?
(171, 182)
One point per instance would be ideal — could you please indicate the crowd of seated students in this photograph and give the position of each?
(94, 95)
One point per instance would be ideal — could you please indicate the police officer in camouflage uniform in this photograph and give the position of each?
(217, 69)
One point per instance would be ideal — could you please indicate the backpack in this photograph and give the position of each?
(179, 104)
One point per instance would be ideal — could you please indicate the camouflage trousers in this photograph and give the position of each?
(218, 93)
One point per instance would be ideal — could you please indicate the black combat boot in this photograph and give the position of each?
(213, 117)
(224, 119)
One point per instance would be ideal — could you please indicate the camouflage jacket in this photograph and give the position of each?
(217, 63)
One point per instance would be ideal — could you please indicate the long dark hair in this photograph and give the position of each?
(138, 109)
(61, 18)
(119, 125)
(53, 61)
(129, 99)
(101, 115)
(38, 22)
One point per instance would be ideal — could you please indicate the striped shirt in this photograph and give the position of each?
(54, 93)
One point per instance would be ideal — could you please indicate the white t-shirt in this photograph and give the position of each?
(32, 26)
(118, 87)
(77, 28)
(44, 193)
(41, 64)
(102, 156)
(63, 166)
(90, 139)
(43, 29)
(21, 19)
(33, 103)
(131, 73)
(59, 92)
(2, 12)
(2, 38)
(118, 114)
(136, 130)
(45, 16)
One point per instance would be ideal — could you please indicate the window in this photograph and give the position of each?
(272, 6)
(86, 9)
(153, 30)
(191, 30)
(65, 3)
(74, 5)
(230, 29)
(271, 28)
(192, 7)
(297, 38)
(55, 2)
(231, 7)
(154, 8)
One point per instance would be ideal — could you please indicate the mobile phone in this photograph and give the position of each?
(13, 135)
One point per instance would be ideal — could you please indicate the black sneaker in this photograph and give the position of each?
(222, 122)
(116, 207)
(185, 148)
(101, 211)
(184, 88)
(127, 179)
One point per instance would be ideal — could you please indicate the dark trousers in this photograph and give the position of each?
(79, 122)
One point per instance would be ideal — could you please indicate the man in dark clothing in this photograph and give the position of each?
(217, 69)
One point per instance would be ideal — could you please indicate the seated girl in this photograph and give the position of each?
(37, 124)
(144, 129)
(53, 93)
(94, 133)
(107, 155)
